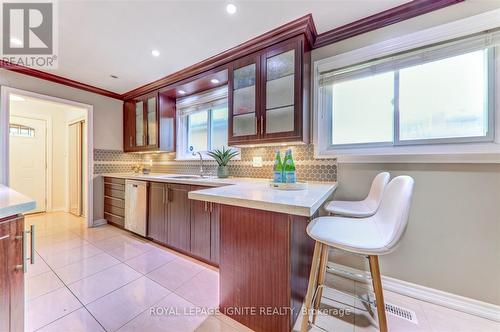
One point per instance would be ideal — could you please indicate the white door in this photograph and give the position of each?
(27, 154)
(75, 168)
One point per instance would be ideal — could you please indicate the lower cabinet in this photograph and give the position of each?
(11, 274)
(184, 224)
(179, 214)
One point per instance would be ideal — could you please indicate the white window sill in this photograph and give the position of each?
(187, 157)
(442, 153)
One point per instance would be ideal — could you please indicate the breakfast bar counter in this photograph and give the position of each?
(265, 252)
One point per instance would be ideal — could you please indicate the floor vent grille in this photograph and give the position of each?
(401, 312)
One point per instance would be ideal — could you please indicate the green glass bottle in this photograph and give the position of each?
(278, 168)
(289, 168)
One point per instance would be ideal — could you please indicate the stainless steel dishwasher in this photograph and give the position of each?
(136, 200)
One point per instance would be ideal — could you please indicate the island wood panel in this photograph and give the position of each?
(261, 263)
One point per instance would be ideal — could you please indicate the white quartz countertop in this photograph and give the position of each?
(248, 192)
(13, 203)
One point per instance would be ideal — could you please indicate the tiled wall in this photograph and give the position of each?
(307, 167)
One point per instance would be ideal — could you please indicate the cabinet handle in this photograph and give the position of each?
(167, 195)
(32, 233)
(4, 237)
(163, 196)
(130, 140)
(211, 207)
(261, 124)
(256, 126)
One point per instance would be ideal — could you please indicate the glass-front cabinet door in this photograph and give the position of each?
(140, 137)
(243, 99)
(152, 121)
(281, 91)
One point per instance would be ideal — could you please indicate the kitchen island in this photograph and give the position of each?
(265, 252)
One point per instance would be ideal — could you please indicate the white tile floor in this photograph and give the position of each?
(105, 279)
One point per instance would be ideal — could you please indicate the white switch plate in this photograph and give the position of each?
(257, 162)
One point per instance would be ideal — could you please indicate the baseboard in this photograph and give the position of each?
(427, 294)
(99, 222)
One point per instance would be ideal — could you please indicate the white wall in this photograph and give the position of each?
(108, 117)
(108, 112)
(453, 239)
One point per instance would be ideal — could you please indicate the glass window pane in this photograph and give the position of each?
(219, 128)
(244, 100)
(363, 110)
(244, 76)
(280, 120)
(198, 131)
(280, 92)
(244, 125)
(281, 65)
(152, 121)
(445, 98)
(139, 123)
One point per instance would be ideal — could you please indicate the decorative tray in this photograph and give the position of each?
(288, 186)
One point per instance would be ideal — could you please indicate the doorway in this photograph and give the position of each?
(76, 167)
(46, 147)
(28, 155)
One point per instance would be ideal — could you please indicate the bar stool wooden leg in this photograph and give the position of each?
(320, 281)
(379, 296)
(318, 246)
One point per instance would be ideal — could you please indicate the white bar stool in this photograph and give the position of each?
(364, 208)
(371, 237)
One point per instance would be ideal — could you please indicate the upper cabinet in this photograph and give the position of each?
(143, 120)
(267, 94)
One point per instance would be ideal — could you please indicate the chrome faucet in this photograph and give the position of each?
(201, 164)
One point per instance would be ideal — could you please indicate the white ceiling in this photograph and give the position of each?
(100, 38)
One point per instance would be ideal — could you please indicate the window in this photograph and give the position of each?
(202, 122)
(439, 94)
(20, 130)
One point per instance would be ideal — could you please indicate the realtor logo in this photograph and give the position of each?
(28, 34)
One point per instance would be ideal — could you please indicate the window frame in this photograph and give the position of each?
(396, 141)
(476, 149)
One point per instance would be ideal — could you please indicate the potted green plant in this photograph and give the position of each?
(222, 157)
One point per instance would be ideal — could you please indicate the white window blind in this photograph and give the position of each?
(412, 58)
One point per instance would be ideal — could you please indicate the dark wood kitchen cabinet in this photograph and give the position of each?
(268, 95)
(191, 227)
(11, 274)
(157, 210)
(149, 124)
(179, 217)
(205, 229)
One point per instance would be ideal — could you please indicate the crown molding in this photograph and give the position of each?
(303, 25)
(382, 19)
(57, 79)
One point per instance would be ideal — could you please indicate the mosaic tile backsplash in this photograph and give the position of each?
(308, 168)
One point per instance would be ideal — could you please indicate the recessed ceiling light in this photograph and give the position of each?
(214, 81)
(231, 8)
(155, 53)
(16, 98)
(16, 41)
(182, 92)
